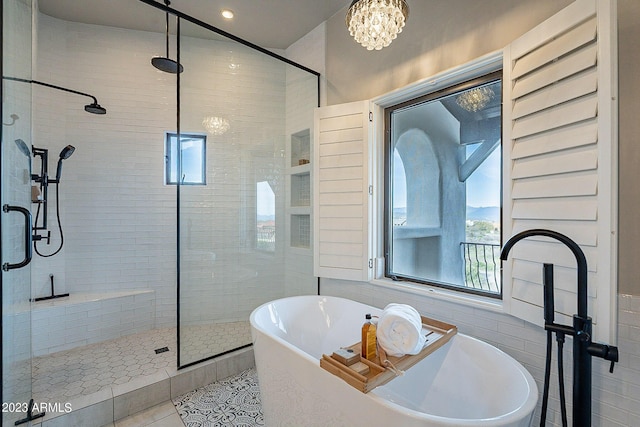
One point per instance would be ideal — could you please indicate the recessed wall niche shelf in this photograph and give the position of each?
(299, 205)
(301, 148)
(301, 231)
(300, 189)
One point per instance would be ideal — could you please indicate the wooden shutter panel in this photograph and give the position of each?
(560, 161)
(341, 196)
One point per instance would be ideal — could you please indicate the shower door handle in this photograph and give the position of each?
(27, 237)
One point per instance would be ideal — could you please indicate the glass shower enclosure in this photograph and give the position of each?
(192, 193)
(16, 200)
(240, 113)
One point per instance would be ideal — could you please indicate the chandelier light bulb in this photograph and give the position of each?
(376, 23)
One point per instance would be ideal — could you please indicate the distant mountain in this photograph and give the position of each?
(483, 213)
(488, 213)
(265, 218)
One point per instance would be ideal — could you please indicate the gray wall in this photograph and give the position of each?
(440, 35)
(629, 102)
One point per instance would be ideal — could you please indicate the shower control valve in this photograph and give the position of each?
(38, 237)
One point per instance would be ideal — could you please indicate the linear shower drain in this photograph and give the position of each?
(161, 350)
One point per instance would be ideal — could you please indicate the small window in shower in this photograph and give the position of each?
(193, 155)
(265, 217)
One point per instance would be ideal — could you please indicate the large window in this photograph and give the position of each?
(443, 188)
(193, 156)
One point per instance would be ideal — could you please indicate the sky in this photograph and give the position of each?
(483, 186)
(266, 199)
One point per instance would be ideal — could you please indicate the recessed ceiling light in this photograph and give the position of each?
(227, 13)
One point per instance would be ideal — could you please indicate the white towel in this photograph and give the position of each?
(399, 330)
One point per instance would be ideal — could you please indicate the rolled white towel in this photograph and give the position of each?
(399, 330)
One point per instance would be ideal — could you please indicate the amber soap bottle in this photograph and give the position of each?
(368, 343)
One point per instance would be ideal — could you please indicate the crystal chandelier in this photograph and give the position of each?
(375, 23)
(215, 125)
(475, 99)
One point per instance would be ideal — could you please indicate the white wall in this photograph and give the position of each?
(119, 218)
(308, 51)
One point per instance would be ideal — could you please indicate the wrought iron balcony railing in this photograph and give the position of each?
(482, 266)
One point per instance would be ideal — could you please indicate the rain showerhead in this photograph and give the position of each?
(23, 147)
(95, 108)
(167, 65)
(164, 63)
(64, 154)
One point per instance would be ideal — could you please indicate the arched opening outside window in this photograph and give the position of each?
(442, 193)
(416, 181)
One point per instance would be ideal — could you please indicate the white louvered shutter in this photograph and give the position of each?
(341, 196)
(560, 161)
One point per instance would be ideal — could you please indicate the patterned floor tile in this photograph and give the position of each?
(234, 401)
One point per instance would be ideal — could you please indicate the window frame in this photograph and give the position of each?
(169, 136)
(474, 79)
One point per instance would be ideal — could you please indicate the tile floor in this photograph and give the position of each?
(234, 401)
(201, 341)
(163, 415)
(84, 370)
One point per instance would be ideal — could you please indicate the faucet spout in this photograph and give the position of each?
(581, 260)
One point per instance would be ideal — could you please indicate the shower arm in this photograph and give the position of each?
(166, 32)
(16, 79)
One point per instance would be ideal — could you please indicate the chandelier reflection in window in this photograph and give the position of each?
(215, 125)
(475, 99)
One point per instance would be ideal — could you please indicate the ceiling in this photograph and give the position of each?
(267, 23)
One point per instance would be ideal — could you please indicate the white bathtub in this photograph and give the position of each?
(465, 383)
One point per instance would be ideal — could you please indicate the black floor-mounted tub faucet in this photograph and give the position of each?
(583, 347)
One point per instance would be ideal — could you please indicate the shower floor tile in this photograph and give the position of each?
(197, 340)
(61, 376)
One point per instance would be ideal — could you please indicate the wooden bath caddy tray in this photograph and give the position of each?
(438, 334)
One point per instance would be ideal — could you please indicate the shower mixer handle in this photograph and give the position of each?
(39, 237)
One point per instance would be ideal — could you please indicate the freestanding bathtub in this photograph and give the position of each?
(464, 383)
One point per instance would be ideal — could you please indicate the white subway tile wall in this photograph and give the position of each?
(118, 217)
(308, 51)
(83, 319)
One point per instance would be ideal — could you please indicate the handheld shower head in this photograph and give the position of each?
(23, 147)
(67, 152)
(64, 154)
